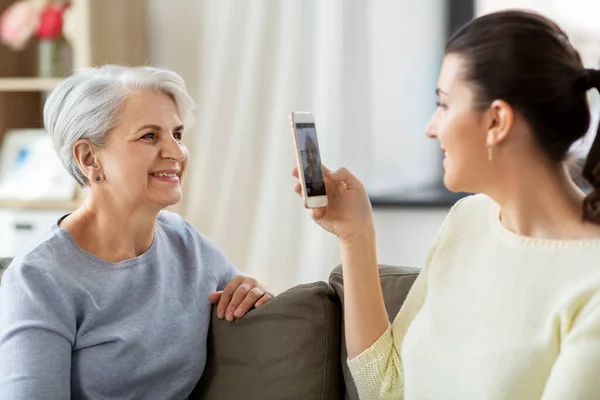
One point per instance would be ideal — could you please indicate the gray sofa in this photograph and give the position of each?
(293, 347)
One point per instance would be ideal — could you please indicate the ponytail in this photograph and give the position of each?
(591, 170)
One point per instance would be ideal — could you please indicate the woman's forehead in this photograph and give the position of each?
(450, 73)
(149, 107)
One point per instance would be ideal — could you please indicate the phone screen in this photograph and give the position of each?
(310, 157)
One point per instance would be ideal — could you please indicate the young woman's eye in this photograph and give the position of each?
(440, 105)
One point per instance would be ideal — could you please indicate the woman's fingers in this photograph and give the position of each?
(249, 301)
(268, 296)
(238, 296)
(341, 174)
(226, 296)
(344, 176)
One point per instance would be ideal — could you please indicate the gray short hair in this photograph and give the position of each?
(86, 105)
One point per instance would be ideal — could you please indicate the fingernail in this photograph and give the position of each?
(238, 313)
(230, 316)
(220, 314)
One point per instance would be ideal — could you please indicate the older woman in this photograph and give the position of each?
(115, 302)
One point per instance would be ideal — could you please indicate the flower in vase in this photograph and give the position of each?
(51, 22)
(18, 24)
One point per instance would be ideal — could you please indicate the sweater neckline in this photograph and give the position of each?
(509, 236)
(142, 259)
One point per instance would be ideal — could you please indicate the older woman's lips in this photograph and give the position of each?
(171, 177)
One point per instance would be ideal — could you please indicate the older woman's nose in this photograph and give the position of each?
(173, 150)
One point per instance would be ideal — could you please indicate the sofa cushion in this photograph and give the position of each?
(395, 283)
(288, 349)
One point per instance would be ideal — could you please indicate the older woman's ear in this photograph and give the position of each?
(84, 154)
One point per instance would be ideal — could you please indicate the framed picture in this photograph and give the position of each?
(30, 168)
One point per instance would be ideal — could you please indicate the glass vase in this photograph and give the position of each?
(52, 58)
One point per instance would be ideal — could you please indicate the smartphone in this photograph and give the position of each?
(308, 158)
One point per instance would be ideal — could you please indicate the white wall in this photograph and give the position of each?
(404, 43)
(174, 37)
(404, 236)
(400, 49)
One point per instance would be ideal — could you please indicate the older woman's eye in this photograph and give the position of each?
(178, 135)
(149, 136)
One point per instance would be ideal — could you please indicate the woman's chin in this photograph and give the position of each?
(451, 183)
(168, 200)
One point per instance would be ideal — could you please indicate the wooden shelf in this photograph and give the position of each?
(40, 205)
(28, 84)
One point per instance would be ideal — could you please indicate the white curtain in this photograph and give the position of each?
(257, 61)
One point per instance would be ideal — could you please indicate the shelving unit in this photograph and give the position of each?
(28, 84)
(107, 31)
(41, 205)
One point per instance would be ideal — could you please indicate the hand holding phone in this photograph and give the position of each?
(308, 158)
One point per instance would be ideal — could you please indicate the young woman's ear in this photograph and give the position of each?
(501, 116)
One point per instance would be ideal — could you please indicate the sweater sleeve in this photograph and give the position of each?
(378, 371)
(213, 259)
(218, 264)
(575, 373)
(36, 334)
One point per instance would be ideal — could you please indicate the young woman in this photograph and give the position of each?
(508, 303)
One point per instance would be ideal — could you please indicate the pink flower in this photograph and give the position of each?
(18, 23)
(51, 23)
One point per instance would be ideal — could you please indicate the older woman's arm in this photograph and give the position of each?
(236, 293)
(36, 334)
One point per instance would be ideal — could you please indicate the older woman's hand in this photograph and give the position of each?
(239, 296)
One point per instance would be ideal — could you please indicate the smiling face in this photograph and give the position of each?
(460, 129)
(144, 160)
(312, 156)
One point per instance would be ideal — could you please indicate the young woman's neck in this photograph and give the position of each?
(541, 201)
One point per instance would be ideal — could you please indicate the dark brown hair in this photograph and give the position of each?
(528, 61)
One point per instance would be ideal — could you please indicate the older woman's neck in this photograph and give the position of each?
(112, 232)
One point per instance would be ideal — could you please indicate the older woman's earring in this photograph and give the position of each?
(490, 154)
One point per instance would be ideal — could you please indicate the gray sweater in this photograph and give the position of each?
(75, 326)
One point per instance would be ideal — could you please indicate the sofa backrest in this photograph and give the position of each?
(290, 348)
(293, 347)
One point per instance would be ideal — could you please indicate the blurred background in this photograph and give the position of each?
(367, 70)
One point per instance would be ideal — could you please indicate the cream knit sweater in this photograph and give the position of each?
(493, 315)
